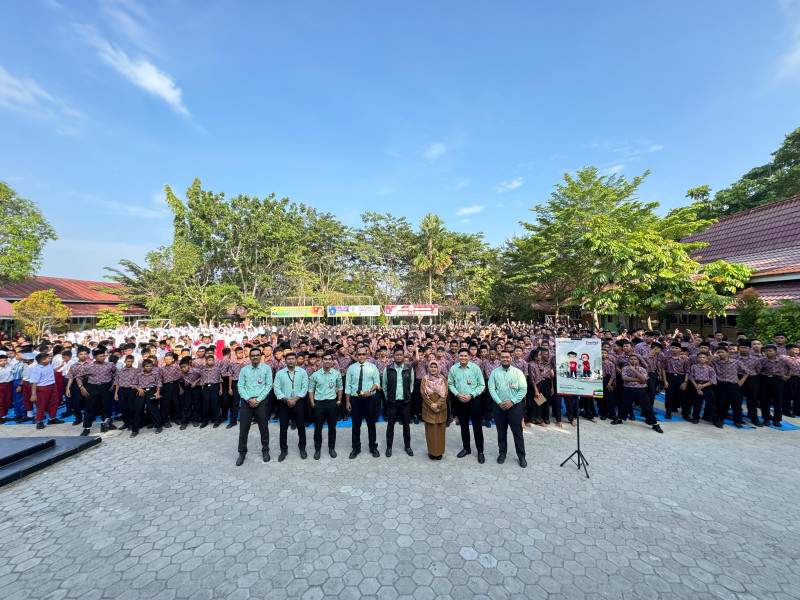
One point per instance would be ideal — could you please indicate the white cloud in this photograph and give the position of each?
(130, 20)
(140, 72)
(470, 210)
(435, 150)
(27, 96)
(508, 186)
(615, 169)
(461, 183)
(464, 221)
(655, 148)
(156, 208)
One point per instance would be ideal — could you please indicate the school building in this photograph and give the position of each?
(83, 298)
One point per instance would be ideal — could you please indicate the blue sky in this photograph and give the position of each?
(469, 109)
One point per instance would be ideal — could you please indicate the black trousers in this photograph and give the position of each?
(771, 391)
(127, 398)
(509, 419)
(791, 395)
(607, 400)
(155, 407)
(652, 384)
(210, 393)
(640, 397)
(750, 393)
(236, 401)
(191, 405)
(417, 399)
(571, 404)
(259, 413)
(98, 402)
(137, 411)
(710, 398)
(325, 411)
(364, 409)
(170, 402)
(395, 411)
(546, 388)
(486, 405)
(225, 399)
(286, 414)
(587, 406)
(729, 395)
(466, 411)
(78, 401)
(674, 396)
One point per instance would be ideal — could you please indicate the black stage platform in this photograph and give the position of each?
(25, 455)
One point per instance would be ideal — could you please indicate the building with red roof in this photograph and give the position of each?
(83, 298)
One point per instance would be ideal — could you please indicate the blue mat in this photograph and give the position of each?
(786, 425)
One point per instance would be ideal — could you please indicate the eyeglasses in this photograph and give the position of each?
(361, 354)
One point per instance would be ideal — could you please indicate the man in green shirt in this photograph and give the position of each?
(325, 395)
(255, 383)
(360, 384)
(507, 387)
(466, 384)
(291, 386)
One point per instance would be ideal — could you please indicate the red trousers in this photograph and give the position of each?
(6, 396)
(26, 396)
(46, 401)
(59, 385)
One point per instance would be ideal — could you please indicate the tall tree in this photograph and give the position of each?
(434, 253)
(24, 232)
(384, 254)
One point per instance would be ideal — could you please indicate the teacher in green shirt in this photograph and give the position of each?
(325, 395)
(255, 383)
(507, 387)
(465, 382)
(291, 386)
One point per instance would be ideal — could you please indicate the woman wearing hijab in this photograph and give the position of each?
(434, 409)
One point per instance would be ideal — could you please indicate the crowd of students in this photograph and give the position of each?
(188, 376)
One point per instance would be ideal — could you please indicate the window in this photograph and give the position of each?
(732, 320)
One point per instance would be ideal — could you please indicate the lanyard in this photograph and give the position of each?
(294, 374)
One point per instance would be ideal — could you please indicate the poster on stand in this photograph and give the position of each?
(579, 367)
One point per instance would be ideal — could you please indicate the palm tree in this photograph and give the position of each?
(434, 256)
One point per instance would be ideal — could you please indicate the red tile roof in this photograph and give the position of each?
(66, 289)
(766, 238)
(85, 309)
(5, 309)
(773, 291)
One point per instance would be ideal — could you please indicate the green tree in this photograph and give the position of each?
(109, 318)
(434, 253)
(384, 254)
(40, 312)
(748, 306)
(24, 232)
(783, 318)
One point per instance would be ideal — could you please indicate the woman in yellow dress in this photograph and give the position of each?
(434, 409)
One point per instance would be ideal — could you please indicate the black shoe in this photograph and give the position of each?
(231, 424)
(159, 429)
(103, 428)
(355, 453)
(150, 425)
(687, 418)
(3, 420)
(375, 453)
(523, 463)
(216, 425)
(777, 423)
(55, 422)
(431, 456)
(111, 426)
(668, 416)
(85, 432)
(617, 422)
(332, 452)
(463, 453)
(416, 421)
(487, 424)
(303, 454)
(281, 456)
(77, 422)
(603, 417)
(240, 460)
(28, 419)
(409, 451)
(695, 420)
(203, 424)
(481, 458)
(184, 426)
(757, 423)
(195, 424)
(501, 458)
(388, 452)
(293, 426)
(124, 427)
(167, 424)
(134, 433)
(265, 456)
(718, 424)
(316, 455)
(657, 428)
(448, 422)
(40, 425)
(738, 424)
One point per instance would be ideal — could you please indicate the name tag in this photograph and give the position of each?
(469, 381)
(330, 385)
(511, 384)
(260, 382)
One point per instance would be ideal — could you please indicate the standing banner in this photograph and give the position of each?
(579, 367)
(364, 310)
(411, 310)
(296, 312)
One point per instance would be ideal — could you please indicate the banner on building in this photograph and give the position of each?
(579, 367)
(296, 312)
(411, 310)
(364, 310)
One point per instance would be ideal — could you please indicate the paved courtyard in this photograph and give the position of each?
(694, 513)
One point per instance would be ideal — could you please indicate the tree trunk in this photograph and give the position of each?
(430, 286)
(649, 322)
(596, 319)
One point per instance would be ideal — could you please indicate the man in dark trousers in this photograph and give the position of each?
(254, 385)
(398, 387)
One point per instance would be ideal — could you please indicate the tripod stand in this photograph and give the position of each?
(577, 457)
